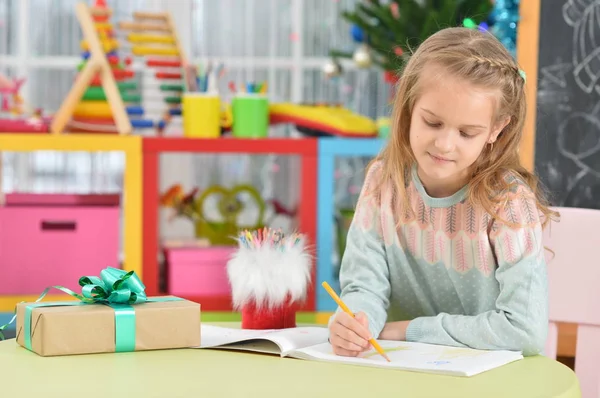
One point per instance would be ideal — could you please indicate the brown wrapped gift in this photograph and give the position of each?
(64, 329)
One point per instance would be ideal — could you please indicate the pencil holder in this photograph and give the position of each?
(201, 115)
(269, 276)
(250, 116)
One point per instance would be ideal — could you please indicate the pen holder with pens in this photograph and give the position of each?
(250, 113)
(201, 114)
(269, 276)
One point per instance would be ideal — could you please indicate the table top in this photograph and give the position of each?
(216, 373)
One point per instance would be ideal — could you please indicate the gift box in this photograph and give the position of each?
(269, 276)
(111, 315)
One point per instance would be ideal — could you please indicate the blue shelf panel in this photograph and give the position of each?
(350, 146)
(5, 317)
(329, 149)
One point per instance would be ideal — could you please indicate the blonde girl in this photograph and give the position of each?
(446, 243)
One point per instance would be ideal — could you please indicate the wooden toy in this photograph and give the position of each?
(154, 38)
(100, 100)
(96, 71)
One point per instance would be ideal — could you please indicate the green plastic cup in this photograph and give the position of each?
(250, 116)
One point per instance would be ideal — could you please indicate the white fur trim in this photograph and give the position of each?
(268, 276)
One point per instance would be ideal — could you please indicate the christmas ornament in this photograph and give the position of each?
(269, 276)
(362, 57)
(357, 34)
(395, 10)
(383, 25)
(332, 68)
(469, 23)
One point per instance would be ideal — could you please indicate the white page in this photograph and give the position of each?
(213, 336)
(418, 357)
(262, 346)
(287, 339)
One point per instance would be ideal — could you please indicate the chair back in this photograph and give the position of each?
(574, 289)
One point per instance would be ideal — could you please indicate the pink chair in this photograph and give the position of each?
(574, 284)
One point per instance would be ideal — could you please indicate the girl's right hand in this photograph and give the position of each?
(349, 336)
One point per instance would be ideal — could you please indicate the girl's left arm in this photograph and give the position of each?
(520, 320)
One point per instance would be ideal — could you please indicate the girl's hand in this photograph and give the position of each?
(394, 331)
(349, 336)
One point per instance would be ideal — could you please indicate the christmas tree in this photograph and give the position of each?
(389, 30)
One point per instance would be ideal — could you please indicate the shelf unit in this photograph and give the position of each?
(154, 146)
(132, 190)
(141, 207)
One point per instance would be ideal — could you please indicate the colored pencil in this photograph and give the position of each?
(343, 306)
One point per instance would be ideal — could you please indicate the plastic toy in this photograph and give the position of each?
(229, 207)
(224, 232)
(11, 100)
(323, 120)
(12, 110)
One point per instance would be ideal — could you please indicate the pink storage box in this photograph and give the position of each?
(198, 271)
(48, 240)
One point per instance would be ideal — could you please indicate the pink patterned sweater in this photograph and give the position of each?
(462, 278)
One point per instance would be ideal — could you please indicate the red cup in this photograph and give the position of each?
(269, 317)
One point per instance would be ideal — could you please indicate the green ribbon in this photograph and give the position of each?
(28, 314)
(114, 287)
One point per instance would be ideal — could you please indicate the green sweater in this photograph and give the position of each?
(462, 278)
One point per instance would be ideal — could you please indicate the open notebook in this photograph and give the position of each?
(310, 343)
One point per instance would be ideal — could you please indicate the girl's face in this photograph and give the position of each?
(451, 123)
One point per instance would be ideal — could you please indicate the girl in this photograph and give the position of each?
(446, 242)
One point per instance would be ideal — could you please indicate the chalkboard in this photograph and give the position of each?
(567, 139)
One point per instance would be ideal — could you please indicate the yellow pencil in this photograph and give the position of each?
(343, 306)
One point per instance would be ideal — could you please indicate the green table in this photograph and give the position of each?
(220, 373)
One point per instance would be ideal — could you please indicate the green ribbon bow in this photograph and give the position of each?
(116, 288)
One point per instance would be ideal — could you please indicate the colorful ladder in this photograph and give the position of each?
(94, 113)
(104, 73)
(154, 37)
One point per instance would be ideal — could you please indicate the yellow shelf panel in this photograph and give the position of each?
(69, 142)
(322, 318)
(8, 303)
(132, 185)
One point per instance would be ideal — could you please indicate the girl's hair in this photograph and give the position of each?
(479, 58)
